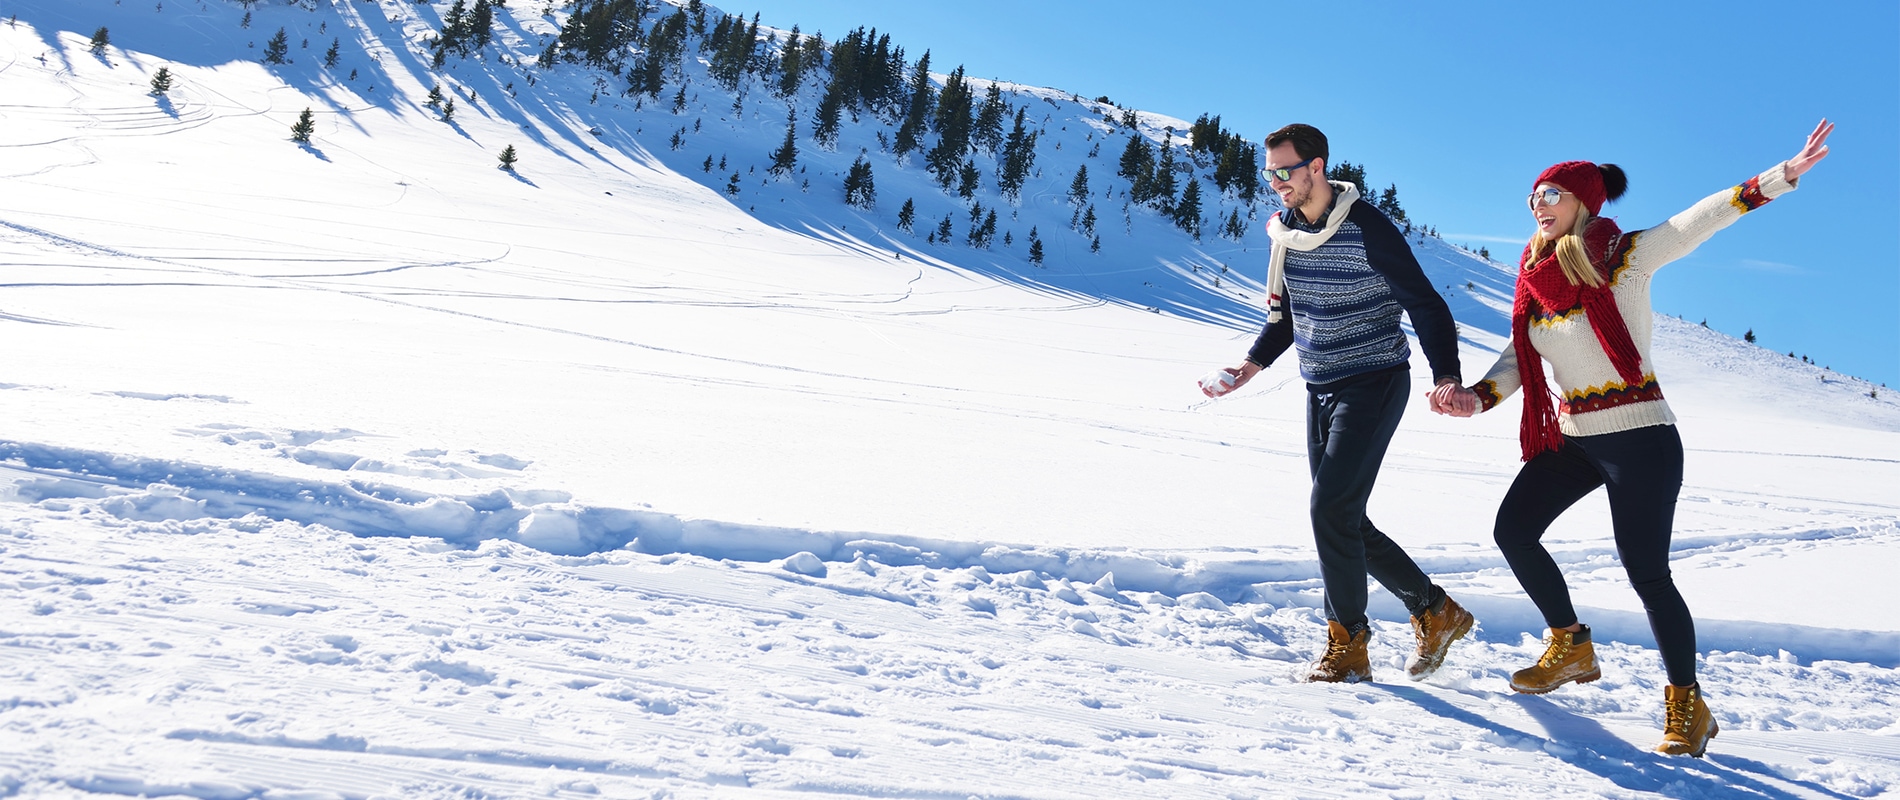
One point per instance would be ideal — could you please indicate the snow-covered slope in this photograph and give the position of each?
(368, 469)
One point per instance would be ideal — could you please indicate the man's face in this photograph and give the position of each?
(1298, 187)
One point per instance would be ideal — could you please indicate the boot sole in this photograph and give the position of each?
(1584, 678)
(1700, 748)
(1440, 661)
(1349, 678)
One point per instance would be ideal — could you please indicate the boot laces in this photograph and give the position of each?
(1679, 715)
(1556, 650)
(1336, 651)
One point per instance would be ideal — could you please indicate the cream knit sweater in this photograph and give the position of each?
(1593, 398)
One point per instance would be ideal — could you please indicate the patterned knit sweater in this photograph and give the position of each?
(1345, 298)
(1593, 399)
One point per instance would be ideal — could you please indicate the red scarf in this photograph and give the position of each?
(1543, 286)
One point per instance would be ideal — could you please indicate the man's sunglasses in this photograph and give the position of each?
(1283, 174)
(1549, 197)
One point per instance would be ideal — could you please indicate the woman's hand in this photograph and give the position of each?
(1811, 154)
(1453, 400)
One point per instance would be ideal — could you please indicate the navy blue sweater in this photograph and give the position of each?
(1343, 301)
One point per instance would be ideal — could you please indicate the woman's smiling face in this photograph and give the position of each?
(1554, 219)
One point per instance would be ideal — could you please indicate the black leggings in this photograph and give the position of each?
(1642, 470)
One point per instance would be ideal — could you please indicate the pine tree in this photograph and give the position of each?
(696, 9)
(1248, 178)
(679, 100)
(1019, 156)
(435, 97)
(953, 126)
(988, 134)
(448, 110)
(1079, 188)
(977, 237)
(1234, 229)
(1187, 212)
(330, 55)
(791, 65)
(454, 31)
(825, 122)
(1162, 192)
(162, 81)
(859, 188)
(1137, 165)
(785, 158)
(481, 23)
(967, 178)
(1348, 172)
(101, 39)
(907, 216)
(648, 77)
(1749, 337)
(277, 47)
(1035, 248)
(944, 230)
(732, 185)
(508, 158)
(1088, 221)
(1227, 168)
(306, 125)
(1389, 203)
(910, 135)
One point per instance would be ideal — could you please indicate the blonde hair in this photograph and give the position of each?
(1570, 253)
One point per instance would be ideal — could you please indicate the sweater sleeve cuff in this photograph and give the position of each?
(1487, 392)
(1774, 183)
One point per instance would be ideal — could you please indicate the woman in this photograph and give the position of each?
(1583, 305)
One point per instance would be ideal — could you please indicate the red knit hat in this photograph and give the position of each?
(1580, 178)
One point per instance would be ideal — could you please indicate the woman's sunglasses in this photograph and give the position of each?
(1549, 197)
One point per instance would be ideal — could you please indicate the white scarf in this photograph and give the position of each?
(1304, 241)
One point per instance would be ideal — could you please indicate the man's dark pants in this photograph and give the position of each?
(1349, 424)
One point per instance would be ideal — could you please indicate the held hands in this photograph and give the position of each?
(1453, 400)
(1811, 154)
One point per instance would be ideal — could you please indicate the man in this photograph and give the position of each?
(1339, 275)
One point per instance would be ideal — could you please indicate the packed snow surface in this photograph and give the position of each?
(363, 468)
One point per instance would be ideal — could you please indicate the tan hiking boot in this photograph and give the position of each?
(1345, 659)
(1436, 630)
(1565, 659)
(1687, 724)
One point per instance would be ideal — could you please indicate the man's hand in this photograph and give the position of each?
(1227, 379)
(1450, 399)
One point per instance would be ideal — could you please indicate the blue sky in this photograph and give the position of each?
(1462, 106)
